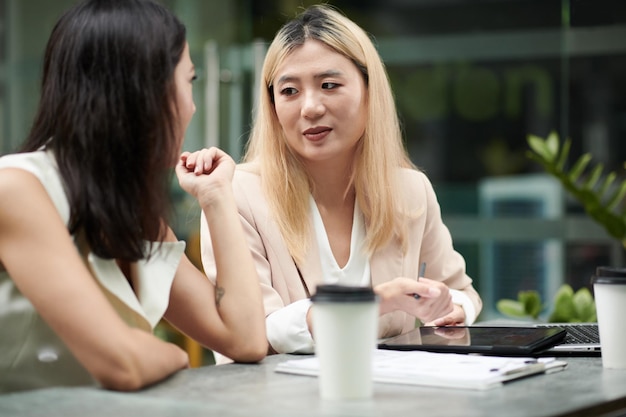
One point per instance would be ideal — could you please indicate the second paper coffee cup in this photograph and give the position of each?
(609, 286)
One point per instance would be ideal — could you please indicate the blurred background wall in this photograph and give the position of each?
(472, 79)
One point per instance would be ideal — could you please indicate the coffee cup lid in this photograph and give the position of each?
(609, 275)
(342, 293)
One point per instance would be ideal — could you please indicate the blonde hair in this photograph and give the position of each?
(380, 152)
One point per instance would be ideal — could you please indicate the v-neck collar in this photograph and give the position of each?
(357, 266)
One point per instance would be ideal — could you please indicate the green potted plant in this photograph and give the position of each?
(602, 199)
(568, 306)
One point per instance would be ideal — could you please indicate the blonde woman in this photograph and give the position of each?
(327, 193)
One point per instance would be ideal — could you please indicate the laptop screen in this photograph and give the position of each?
(477, 339)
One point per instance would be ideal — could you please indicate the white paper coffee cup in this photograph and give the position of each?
(345, 329)
(609, 286)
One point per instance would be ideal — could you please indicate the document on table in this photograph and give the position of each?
(448, 370)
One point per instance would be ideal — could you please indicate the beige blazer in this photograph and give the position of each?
(283, 281)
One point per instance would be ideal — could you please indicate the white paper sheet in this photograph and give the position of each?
(450, 370)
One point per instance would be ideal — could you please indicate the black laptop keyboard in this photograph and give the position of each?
(578, 333)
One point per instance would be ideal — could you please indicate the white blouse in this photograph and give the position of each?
(287, 330)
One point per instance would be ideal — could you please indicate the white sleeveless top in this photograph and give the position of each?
(31, 355)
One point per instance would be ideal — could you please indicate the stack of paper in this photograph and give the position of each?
(450, 370)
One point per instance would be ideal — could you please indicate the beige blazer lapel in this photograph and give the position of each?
(387, 264)
(310, 269)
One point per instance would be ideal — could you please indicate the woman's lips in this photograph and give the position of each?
(317, 133)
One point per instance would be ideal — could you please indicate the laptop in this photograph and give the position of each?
(582, 339)
(497, 340)
(571, 339)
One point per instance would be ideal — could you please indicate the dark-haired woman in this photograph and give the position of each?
(88, 264)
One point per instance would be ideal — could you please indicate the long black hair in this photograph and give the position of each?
(107, 113)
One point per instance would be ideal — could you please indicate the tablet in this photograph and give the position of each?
(499, 340)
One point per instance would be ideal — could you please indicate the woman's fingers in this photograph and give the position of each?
(434, 299)
(202, 161)
(456, 318)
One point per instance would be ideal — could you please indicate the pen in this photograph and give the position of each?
(421, 274)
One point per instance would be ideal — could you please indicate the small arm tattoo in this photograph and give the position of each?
(219, 293)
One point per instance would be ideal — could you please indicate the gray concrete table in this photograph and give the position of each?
(583, 389)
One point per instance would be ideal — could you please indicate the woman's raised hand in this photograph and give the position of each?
(205, 173)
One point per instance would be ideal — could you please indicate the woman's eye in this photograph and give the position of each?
(288, 91)
(329, 85)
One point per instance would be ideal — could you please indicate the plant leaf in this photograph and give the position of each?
(563, 305)
(540, 147)
(531, 300)
(617, 197)
(594, 177)
(607, 183)
(552, 143)
(579, 167)
(584, 305)
(560, 163)
(511, 308)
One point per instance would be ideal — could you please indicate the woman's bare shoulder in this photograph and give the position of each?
(26, 209)
(18, 183)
